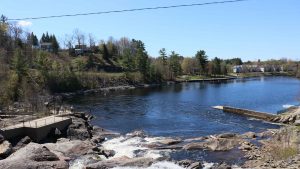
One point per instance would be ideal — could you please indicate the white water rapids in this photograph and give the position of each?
(135, 146)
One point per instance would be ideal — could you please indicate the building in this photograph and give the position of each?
(47, 46)
(80, 49)
(237, 69)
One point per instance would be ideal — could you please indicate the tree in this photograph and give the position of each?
(19, 64)
(127, 60)
(55, 44)
(202, 60)
(141, 56)
(224, 68)
(80, 37)
(216, 66)
(175, 65)
(112, 48)
(163, 56)
(189, 65)
(104, 51)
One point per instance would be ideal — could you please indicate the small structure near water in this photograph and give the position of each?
(37, 129)
(245, 112)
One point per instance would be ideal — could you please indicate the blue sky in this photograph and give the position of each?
(255, 29)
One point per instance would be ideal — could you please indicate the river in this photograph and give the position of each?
(185, 110)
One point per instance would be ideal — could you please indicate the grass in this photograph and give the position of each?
(283, 153)
(198, 77)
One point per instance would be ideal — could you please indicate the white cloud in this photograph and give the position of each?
(24, 23)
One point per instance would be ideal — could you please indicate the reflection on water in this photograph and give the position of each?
(184, 110)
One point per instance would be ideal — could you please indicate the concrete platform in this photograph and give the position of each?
(37, 129)
(246, 112)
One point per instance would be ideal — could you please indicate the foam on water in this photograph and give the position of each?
(133, 147)
(286, 106)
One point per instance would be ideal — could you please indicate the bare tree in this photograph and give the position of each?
(69, 41)
(92, 41)
(79, 36)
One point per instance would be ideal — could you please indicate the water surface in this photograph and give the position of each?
(184, 110)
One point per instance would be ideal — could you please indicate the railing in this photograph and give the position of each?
(38, 122)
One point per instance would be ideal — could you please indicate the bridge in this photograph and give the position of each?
(37, 129)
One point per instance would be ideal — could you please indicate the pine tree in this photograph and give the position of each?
(43, 39)
(54, 43)
(163, 56)
(47, 38)
(202, 60)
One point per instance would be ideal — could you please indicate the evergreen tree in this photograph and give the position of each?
(55, 44)
(163, 56)
(175, 65)
(104, 51)
(43, 38)
(19, 64)
(216, 66)
(202, 60)
(47, 38)
(141, 56)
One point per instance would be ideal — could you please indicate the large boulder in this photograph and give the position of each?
(123, 162)
(189, 164)
(214, 144)
(170, 141)
(34, 156)
(71, 148)
(5, 149)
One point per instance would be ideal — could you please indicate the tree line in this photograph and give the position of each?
(27, 71)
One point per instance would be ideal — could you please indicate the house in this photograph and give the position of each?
(262, 69)
(47, 46)
(80, 49)
(237, 69)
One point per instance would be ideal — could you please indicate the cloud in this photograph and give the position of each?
(24, 23)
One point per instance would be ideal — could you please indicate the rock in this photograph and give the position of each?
(71, 148)
(123, 162)
(98, 139)
(249, 135)
(194, 146)
(170, 141)
(108, 153)
(227, 135)
(196, 139)
(5, 149)
(33, 156)
(1, 139)
(138, 133)
(195, 165)
(219, 144)
(57, 132)
(22, 143)
(43, 154)
(189, 164)
(247, 146)
(81, 134)
(221, 166)
(297, 123)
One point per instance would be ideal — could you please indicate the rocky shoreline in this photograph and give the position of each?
(86, 146)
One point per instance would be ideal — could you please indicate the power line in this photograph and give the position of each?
(127, 10)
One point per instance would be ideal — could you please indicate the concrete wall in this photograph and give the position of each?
(250, 113)
(36, 134)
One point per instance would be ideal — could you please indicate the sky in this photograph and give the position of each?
(251, 30)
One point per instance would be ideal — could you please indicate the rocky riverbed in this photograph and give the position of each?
(83, 146)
